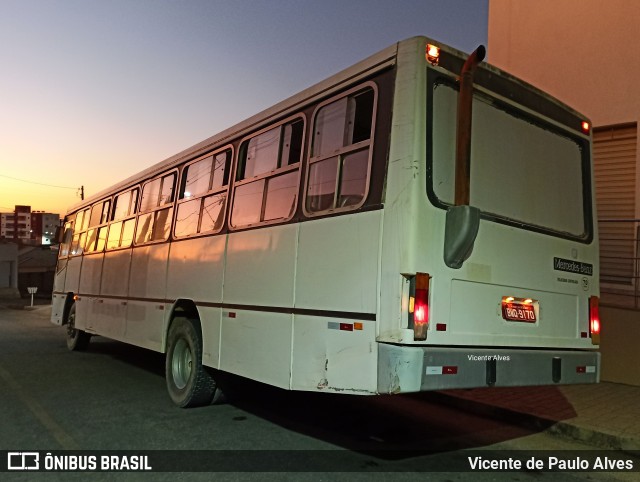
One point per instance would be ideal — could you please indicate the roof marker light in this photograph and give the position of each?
(586, 127)
(433, 54)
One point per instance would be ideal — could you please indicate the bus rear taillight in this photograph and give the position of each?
(419, 306)
(594, 319)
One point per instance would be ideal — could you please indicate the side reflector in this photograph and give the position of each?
(594, 319)
(442, 370)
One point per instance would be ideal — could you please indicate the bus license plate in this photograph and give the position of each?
(518, 311)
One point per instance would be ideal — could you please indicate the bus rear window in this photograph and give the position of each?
(523, 169)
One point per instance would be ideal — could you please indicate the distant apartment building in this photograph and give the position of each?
(28, 227)
(586, 54)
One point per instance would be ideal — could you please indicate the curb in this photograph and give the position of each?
(590, 436)
(21, 307)
(596, 438)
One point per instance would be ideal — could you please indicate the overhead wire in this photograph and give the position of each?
(38, 183)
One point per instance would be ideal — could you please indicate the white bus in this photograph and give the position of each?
(418, 221)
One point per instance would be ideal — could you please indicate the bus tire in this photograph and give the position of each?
(77, 340)
(188, 382)
(220, 395)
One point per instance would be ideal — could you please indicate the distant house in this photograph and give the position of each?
(8, 270)
(37, 267)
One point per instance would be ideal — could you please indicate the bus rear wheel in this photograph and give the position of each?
(77, 340)
(188, 382)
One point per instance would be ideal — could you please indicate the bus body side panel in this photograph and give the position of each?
(72, 280)
(146, 308)
(90, 277)
(337, 282)
(211, 323)
(113, 291)
(58, 303)
(59, 298)
(195, 272)
(334, 355)
(405, 190)
(72, 285)
(255, 339)
(257, 345)
(338, 263)
(260, 267)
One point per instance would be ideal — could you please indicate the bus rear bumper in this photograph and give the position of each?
(403, 369)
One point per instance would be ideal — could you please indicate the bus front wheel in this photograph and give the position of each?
(188, 382)
(77, 340)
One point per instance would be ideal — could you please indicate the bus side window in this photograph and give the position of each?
(156, 209)
(150, 193)
(339, 165)
(96, 239)
(123, 220)
(267, 180)
(67, 237)
(196, 178)
(124, 205)
(79, 232)
(203, 195)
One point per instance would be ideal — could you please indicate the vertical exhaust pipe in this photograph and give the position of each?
(463, 130)
(463, 220)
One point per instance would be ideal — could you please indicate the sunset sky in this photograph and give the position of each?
(93, 91)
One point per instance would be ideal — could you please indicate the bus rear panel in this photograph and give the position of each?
(522, 308)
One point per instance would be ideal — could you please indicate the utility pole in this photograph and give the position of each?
(82, 193)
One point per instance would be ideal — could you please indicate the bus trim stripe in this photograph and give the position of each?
(347, 315)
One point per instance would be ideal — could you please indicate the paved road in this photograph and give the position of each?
(113, 397)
